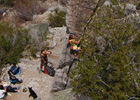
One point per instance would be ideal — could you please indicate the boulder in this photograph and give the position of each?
(25, 54)
(129, 9)
(52, 44)
(41, 17)
(61, 79)
(38, 31)
(107, 3)
(66, 94)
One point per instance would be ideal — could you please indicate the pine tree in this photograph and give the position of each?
(110, 57)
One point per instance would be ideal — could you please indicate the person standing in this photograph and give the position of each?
(44, 58)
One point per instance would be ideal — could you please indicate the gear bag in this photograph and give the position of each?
(49, 70)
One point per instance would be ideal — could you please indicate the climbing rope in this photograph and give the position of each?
(100, 3)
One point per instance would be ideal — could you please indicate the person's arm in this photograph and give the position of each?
(48, 52)
(67, 41)
(77, 42)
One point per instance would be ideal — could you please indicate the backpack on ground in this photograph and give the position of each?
(50, 70)
(13, 78)
(14, 70)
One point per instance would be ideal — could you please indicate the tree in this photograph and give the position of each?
(109, 65)
(12, 43)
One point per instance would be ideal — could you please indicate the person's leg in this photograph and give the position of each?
(75, 55)
(41, 65)
(10, 89)
(79, 48)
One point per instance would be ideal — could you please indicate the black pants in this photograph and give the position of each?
(46, 59)
(11, 89)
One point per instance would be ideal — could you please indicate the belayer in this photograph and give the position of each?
(74, 45)
(44, 58)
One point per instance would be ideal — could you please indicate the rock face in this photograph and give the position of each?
(76, 9)
(61, 75)
(130, 8)
(49, 6)
(38, 33)
(35, 30)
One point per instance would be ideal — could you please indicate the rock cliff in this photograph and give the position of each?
(75, 11)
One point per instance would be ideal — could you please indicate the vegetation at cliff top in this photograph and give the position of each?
(58, 19)
(110, 58)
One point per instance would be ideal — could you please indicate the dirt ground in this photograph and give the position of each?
(31, 75)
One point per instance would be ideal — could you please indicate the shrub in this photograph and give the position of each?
(57, 20)
(7, 2)
(109, 65)
(12, 43)
(27, 8)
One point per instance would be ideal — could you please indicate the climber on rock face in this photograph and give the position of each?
(71, 40)
(44, 58)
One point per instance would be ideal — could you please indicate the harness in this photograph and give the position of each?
(73, 45)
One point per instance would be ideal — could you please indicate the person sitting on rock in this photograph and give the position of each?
(71, 40)
(44, 58)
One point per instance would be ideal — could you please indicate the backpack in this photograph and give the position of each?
(49, 70)
(13, 79)
(14, 70)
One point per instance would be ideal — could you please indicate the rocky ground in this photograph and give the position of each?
(33, 77)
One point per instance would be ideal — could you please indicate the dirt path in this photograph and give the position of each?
(32, 77)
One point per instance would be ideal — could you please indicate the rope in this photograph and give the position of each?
(100, 3)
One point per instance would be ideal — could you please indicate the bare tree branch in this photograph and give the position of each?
(103, 81)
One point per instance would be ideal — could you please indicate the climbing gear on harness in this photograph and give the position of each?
(75, 48)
